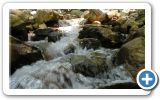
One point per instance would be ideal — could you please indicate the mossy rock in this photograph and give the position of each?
(45, 15)
(89, 65)
(104, 34)
(89, 43)
(140, 32)
(132, 52)
(76, 12)
(15, 20)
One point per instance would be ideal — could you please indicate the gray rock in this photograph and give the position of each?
(89, 43)
(90, 65)
(69, 49)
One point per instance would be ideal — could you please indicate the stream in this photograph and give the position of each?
(59, 73)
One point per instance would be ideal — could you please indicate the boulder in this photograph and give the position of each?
(22, 54)
(23, 15)
(15, 20)
(132, 52)
(19, 22)
(41, 34)
(130, 23)
(89, 43)
(48, 16)
(69, 49)
(44, 32)
(140, 32)
(104, 34)
(134, 24)
(89, 65)
(113, 14)
(94, 15)
(20, 32)
(54, 36)
(52, 23)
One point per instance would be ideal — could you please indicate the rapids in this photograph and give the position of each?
(58, 72)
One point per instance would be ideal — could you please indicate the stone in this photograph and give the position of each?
(15, 20)
(20, 25)
(41, 34)
(54, 36)
(23, 15)
(140, 32)
(113, 14)
(89, 65)
(69, 49)
(89, 43)
(44, 15)
(76, 12)
(132, 52)
(94, 15)
(104, 34)
(20, 32)
(22, 54)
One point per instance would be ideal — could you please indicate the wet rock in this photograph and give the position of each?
(19, 22)
(43, 47)
(132, 52)
(44, 32)
(89, 43)
(22, 54)
(20, 32)
(41, 34)
(52, 23)
(51, 34)
(54, 36)
(134, 69)
(94, 15)
(69, 49)
(104, 34)
(90, 65)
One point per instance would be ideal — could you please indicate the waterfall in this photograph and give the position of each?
(58, 72)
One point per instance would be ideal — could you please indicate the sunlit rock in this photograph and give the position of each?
(132, 52)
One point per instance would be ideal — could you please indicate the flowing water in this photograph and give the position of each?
(58, 71)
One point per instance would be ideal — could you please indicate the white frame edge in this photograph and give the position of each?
(5, 43)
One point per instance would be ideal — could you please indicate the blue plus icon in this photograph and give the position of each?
(146, 79)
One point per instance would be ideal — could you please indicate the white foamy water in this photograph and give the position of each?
(58, 73)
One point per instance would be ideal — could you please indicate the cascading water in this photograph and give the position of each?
(58, 72)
